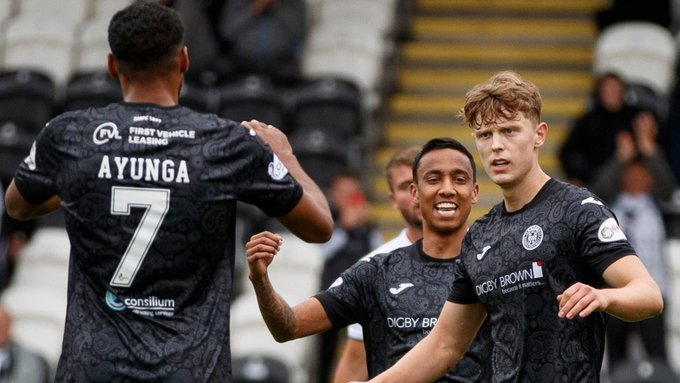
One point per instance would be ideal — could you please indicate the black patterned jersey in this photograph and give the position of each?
(149, 196)
(517, 263)
(396, 297)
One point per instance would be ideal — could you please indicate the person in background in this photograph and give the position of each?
(546, 265)
(354, 235)
(399, 176)
(149, 191)
(396, 296)
(592, 138)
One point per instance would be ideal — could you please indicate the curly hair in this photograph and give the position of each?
(145, 35)
(503, 96)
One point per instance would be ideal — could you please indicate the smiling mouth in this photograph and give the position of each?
(446, 207)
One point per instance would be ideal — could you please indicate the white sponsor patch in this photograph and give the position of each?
(610, 231)
(277, 170)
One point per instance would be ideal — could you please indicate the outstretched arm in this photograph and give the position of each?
(633, 295)
(441, 349)
(283, 321)
(311, 218)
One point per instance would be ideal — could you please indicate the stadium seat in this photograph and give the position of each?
(198, 97)
(93, 89)
(92, 45)
(379, 15)
(27, 102)
(253, 97)
(355, 54)
(331, 103)
(36, 298)
(69, 12)
(44, 44)
(640, 52)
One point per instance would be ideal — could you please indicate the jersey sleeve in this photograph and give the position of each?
(599, 238)
(34, 178)
(462, 290)
(265, 182)
(345, 301)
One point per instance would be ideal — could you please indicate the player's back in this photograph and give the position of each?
(149, 197)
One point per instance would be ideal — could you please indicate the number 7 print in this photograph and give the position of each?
(156, 202)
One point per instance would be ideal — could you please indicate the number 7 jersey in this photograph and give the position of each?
(149, 195)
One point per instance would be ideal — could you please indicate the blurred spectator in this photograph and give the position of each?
(634, 181)
(353, 237)
(640, 145)
(18, 364)
(264, 36)
(591, 141)
(641, 220)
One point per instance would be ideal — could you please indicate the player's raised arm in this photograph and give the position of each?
(311, 218)
(284, 322)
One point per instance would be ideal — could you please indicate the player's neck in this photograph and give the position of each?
(443, 245)
(516, 196)
(152, 91)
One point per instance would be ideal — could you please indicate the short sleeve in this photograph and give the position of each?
(264, 180)
(34, 177)
(599, 239)
(345, 301)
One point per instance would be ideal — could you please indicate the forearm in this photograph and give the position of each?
(276, 312)
(637, 301)
(426, 362)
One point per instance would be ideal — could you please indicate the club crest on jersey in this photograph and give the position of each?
(532, 238)
(610, 231)
(277, 170)
(105, 132)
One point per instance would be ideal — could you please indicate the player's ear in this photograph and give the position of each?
(541, 134)
(414, 192)
(111, 66)
(184, 60)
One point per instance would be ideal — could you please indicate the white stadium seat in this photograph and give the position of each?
(640, 52)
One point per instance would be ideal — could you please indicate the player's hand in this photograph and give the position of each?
(260, 252)
(581, 300)
(271, 135)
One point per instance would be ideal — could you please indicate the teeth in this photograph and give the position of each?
(500, 162)
(446, 206)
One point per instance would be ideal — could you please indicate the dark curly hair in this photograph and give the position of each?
(145, 36)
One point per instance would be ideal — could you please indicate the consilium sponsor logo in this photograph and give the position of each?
(148, 306)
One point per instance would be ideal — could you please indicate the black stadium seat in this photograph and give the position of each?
(27, 102)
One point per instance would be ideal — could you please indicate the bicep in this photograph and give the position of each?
(310, 318)
(625, 270)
